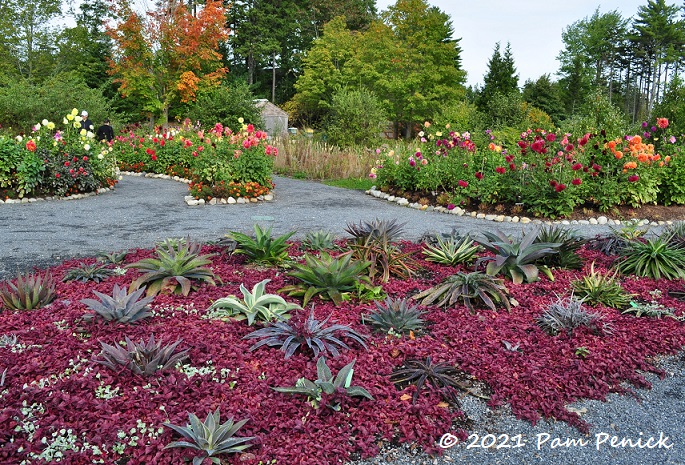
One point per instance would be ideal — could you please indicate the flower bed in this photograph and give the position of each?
(219, 162)
(545, 174)
(60, 403)
(55, 162)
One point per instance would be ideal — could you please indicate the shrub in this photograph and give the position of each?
(655, 258)
(174, 269)
(596, 288)
(475, 289)
(329, 278)
(567, 315)
(327, 384)
(226, 104)
(122, 307)
(441, 376)
(356, 118)
(210, 437)
(143, 359)
(263, 249)
(312, 333)
(30, 291)
(255, 305)
(395, 317)
(516, 258)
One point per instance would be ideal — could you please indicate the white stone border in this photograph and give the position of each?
(102, 190)
(192, 201)
(602, 220)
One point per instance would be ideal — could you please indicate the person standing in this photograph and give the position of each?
(105, 132)
(86, 123)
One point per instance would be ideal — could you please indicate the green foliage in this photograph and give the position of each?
(440, 376)
(318, 240)
(516, 258)
(618, 239)
(255, 305)
(569, 243)
(83, 273)
(210, 437)
(28, 292)
(598, 113)
(174, 270)
(113, 258)
(674, 234)
(327, 384)
(383, 230)
(395, 317)
(312, 333)
(328, 277)
(650, 309)
(451, 251)
(144, 359)
(655, 258)
(224, 104)
(596, 288)
(475, 289)
(121, 307)
(263, 249)
(567, 315)
(356, 118)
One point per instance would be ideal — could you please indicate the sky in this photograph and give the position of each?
(532, 27)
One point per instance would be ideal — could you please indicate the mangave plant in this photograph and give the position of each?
(121, 307)
(655, 258)
(175, 269)
(95, 272)
(597, 288)
(395, 317)
(255, 305)
(451, 251)
(419, 373)
(568, 314)
(263, 249)
(210, 437)
(327, 384)
(475, 289)
(143, 359)
(28, 292)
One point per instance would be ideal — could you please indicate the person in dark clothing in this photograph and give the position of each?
(105, 132)
(86, 123)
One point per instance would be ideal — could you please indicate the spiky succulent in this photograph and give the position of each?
(121, 307)
(144, 358)
(569, 243)
(318, 240)
(113, 258)
(597, 288)
(384, 230)
(650, 309)
(451, 251)
(615, 242)
(8, 340)
(84, 273)
(396, 317)
(474, 289)
(567, 315)
(675, 234)
(516, 258)
(420, 373)
(311, 333)
(174, 269)
(263, 249)
(28, 292)
(326, 383)
(328, 277)
(210, 437)
(655, 258)
(255, 305)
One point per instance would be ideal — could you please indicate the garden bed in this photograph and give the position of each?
(62, 404)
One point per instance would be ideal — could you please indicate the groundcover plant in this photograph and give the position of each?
(59, 403)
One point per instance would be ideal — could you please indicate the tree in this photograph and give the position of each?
(545, 95)
(501, 78)
(356, 118)
(171, 55)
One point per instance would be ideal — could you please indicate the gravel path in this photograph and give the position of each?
(141, 211)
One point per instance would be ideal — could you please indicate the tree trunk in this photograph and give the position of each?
(273, 78)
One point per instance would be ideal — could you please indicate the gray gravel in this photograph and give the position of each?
(142, 211)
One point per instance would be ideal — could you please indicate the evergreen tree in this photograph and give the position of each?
(501, 77)
(544, 94)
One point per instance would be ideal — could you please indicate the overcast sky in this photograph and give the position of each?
(533, 27)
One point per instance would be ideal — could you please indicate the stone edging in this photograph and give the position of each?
(192, 201)
(601, 220)
(102, 190)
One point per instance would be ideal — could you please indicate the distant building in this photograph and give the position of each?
(275, 119)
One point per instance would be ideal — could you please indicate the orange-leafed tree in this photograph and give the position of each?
(168, 53)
